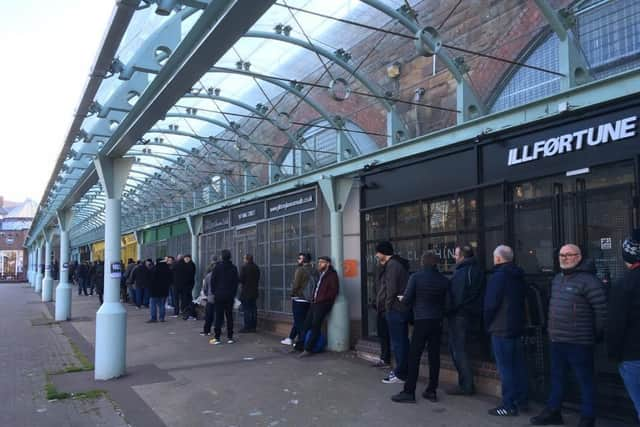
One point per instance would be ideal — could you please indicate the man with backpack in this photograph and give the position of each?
(393, 281)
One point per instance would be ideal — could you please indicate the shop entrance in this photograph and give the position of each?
(594, 210)
(245, 243)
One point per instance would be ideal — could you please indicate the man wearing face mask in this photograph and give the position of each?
(393, 279)
(577, 316)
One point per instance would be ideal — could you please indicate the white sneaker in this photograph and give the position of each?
(230, 341)
(392, 379)
(286, 341)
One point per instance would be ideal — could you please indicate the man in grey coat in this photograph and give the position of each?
(577, 317)
(393, 281)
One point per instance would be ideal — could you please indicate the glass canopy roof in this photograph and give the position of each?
(355, 72)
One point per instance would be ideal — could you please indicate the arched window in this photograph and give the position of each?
(609, 36)
(321, 144)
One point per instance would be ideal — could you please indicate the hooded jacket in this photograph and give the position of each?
(162, 277)
(392, 281)
(578, 306)
(250, 278)
(504, 301)
(224, 281)
(142, 276)
(467, 287)
(623, 328)
(304, 281)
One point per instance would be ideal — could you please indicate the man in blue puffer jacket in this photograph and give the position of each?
(504, 306)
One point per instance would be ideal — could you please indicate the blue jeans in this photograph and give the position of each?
(512, 367)
(578, 357)
(300, 310)
(398, 323)
(250, 314)
(142, 296)
(630, 373)
(156, 305)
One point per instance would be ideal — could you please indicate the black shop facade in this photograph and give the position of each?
(573, 178)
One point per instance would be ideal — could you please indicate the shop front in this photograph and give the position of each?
(169, 239)
(572, 179)
(274, 231)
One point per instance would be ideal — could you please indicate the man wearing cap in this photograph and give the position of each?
(393, 278)
(623, 328)
(577, 317)
(323, 297)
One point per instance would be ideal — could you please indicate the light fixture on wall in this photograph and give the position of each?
(393, 70)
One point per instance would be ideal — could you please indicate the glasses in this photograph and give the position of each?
(570, 255)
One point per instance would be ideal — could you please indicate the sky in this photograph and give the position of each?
(48, 48)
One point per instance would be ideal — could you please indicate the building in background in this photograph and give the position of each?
(15, 221)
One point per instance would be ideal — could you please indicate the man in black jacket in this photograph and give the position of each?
(184, 276)
(393, 281)
(465, 302)
(98, 280)
(504, 306)
(142, 278)
(623, 328)
(249, 279)
(426, 294)
(577, 317)
(159, 290)
(224, 286)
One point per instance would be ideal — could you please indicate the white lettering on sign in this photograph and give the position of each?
(247, 214)
(576, 141)
(287, 205)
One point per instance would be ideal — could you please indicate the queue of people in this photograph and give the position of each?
(580, 316)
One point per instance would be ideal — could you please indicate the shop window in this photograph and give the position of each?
(406, 219)
(411, 250)
(441, 216)
(377, 227)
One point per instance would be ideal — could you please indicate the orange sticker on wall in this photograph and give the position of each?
(350, 268)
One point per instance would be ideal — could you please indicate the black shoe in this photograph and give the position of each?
(547, 417)
(430, 395)
(404, 397)
(151, 321)
(501, 411)
(458, 391)
(587, 422)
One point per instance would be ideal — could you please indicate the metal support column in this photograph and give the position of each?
(47, 282)
(111, 318)
(335, 192)
(195, 228)
(40, 261)
(29, 266)
(63, 290)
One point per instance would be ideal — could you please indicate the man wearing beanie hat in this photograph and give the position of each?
(392, 281)
(623, 328)
(577, 317)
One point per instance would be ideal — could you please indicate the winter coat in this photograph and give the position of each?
(623, 324)
(467, 288)
(578, 306)
(224, 281)
(162, 277)
(426, 293)
(82, 272)
(128, 273)
(249, 278)
(392, 281)
(504, 301)
(98, 278)
(142, 277)
(326, 290)
(184, 274)
(304, 281)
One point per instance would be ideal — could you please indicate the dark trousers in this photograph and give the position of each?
(250, 313)
(383, 336)
(142, 296)
(313, 322)
(177, 300)
(223, 309)
(209, 314)
(457, 336)
(512, 367)
(579, 358)
(82, 286)
(186, 302)
(425, 332)
(398, 323)
(300, 310)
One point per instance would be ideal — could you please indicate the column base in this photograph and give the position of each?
(47, 289)
(38, 285)
(111, 341)
(63, 301)
(338, 326)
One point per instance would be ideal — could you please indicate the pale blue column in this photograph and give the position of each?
(335, 192)
(111, 318)
(40, 267)
(29, 265)
(47, 282)
(195, 228)
(64, 289)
